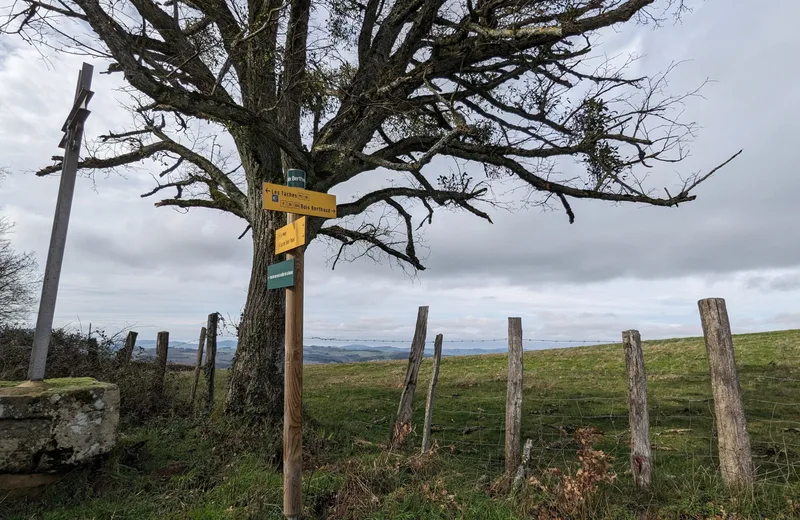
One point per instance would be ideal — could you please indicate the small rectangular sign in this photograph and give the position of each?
(281, 274)
(298, 200)
(290, 236)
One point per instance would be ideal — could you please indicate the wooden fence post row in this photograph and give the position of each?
(514, 396)
(736, 462)
(638, 415)
(437, 356)
(402, 424)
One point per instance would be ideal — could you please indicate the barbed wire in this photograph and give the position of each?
(488, 340)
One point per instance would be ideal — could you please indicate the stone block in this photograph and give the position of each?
(56, 426)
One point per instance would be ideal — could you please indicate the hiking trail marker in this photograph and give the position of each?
(290, 236)
(295, 200)
(281, 274)
(291, 199)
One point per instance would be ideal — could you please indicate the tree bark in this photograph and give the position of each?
(256, 382)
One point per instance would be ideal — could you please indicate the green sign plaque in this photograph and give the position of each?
(281, 274)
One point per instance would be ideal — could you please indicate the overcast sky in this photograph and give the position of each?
(617, 267)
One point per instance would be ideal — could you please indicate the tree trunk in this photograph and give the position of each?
(256, 381)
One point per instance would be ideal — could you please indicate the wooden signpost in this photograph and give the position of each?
(295, 200)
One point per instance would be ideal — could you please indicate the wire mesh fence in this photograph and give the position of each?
(579, 388)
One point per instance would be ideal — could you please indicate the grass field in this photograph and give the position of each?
(190, 467)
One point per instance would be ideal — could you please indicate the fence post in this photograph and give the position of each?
(437, 356)
(125, 353)
(404, 412)
(211, 358)
(162, 348)
(638, 414)
(199, 364)
(514, 395)
(735, 459)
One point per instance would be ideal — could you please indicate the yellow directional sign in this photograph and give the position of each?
(290, 236)
(298, 200)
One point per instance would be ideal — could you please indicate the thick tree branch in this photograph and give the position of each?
(224, 204)
(349, 237)
(440, 197)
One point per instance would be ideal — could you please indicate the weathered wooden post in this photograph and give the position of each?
(71, 143)
(126, 352)
(211, 359)
(199, 364)
(514, 396)
(735, 459)
(437, 356)
(638, 414)
(162, 349)
(402, 424)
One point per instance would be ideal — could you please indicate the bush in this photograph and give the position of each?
(74, 354)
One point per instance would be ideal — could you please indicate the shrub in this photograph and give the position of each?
(74, 354)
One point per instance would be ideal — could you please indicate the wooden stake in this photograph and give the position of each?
(514, 395)
(437, 356)
(402, 424)
(162, 348)
(735, 459)
(125, 353)
(293, 389)
(211, 359)
(199, 364)
(638, 415)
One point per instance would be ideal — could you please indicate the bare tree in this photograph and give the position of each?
(366, 89)
(18, 279)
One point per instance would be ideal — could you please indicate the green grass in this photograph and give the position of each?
(188, 467)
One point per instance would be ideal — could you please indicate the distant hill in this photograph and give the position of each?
(186, 354)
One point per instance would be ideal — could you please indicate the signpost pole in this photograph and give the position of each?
(293, 376)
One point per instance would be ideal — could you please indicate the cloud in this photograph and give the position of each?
(617, 267)
(779, 282)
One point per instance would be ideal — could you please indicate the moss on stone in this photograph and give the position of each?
(52, 386)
